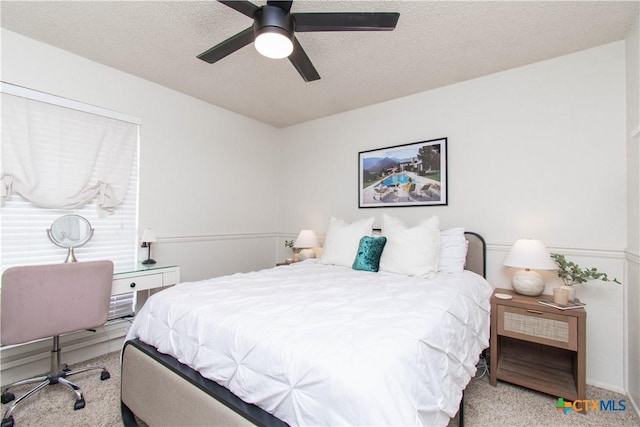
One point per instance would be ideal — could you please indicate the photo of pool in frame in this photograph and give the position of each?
(404, 175)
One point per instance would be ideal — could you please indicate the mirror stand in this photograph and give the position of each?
(71, 256)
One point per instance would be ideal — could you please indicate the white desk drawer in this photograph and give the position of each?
(170, 278)
(137, 283)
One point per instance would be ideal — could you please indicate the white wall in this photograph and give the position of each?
(537, 151)
(204, 171)
(632, 50)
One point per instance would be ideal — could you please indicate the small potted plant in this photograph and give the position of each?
(572, 274)
(296, 251)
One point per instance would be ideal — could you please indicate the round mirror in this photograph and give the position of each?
(70, 231)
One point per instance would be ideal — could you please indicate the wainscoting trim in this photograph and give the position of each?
(216, 237)
(633, 257)
(576, 251)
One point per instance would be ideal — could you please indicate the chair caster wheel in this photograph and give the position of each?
(105, 375)
(7, 422)
(7, 397)
(79, 404)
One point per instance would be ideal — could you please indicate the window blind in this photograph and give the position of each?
(23, 225)
(62, 158)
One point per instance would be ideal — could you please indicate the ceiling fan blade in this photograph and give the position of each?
(350, 21)
(284, 5)
(228, 46)
(244, 7)
(303, 64)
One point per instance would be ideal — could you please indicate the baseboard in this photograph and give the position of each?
(23, 361)
(634, 404)
(606, 386)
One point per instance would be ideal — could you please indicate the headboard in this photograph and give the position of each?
(476, 254)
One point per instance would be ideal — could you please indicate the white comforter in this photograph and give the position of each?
(316, 344)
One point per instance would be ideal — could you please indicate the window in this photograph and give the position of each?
(50, 147)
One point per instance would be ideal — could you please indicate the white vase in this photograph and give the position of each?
(527, 282)
(572, 291)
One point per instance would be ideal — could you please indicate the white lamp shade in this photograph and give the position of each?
(273, 44)
(307, 239)
(149, 236)
(531, 254)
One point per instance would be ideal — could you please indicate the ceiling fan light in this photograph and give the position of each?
(274, 42)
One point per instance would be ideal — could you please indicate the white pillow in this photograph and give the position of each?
(342, 240)
(411, 251)
(453, 250)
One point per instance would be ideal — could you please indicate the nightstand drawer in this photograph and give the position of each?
(556, 330)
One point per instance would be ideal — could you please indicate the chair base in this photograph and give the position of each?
(58, 376)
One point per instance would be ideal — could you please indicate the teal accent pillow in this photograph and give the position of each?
(369, 252)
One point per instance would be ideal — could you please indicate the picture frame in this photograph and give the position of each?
(412, 174)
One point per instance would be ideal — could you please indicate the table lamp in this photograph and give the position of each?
(148, 237)
(529, 255)
(306, 240)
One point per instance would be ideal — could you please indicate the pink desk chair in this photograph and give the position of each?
(43, 301)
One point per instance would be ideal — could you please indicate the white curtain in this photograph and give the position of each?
(62, 158)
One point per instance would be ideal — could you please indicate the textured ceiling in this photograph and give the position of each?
(435, 43)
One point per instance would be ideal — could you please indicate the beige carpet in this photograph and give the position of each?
(53, 406)
(505, 405)
(511, 405)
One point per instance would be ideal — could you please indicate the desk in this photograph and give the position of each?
(145, 278)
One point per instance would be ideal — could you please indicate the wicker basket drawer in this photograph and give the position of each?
(538, 326)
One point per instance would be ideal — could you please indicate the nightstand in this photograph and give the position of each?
(278, 264)
(538, 347)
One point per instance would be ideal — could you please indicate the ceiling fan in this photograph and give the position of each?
(274, 26)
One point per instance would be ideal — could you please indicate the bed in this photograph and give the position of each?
(308, 344)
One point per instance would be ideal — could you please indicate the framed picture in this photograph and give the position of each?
(404, 175)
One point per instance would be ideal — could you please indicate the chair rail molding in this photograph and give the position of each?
(633, 257)
(216, 237)
(573, 250)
